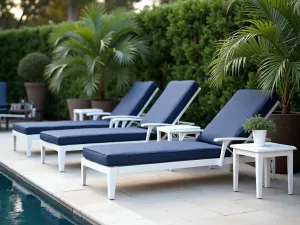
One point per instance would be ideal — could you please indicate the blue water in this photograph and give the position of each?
(20, 207)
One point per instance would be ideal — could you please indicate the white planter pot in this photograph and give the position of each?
(259, 137)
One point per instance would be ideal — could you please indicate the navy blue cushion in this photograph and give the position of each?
(243, 104)
(37, 127)
(85, 136)
(3, 94)
(171, 102)
(151, 152)
(135, 99)
(3, 110)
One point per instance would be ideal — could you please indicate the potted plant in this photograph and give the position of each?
(32, 68)
(97, 50)
(272, 44)
(259, 126)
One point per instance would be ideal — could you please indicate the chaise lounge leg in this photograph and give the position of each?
(15, 142)
(83, 173)
(61, 160)
(43, 153)
(111, 183)
(28, 147)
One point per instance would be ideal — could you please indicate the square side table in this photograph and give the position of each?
(181, 130)
(262, 157)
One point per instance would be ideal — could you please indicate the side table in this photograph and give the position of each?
(262, 157)
(82, 112)
(181, 130)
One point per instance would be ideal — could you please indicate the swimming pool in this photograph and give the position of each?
(18, 206)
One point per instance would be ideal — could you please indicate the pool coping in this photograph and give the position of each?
(68, 211)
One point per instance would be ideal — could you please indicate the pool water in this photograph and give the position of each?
(20, 207)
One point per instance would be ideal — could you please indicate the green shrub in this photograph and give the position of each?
(259, 123)
(32, 66)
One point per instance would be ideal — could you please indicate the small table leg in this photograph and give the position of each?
(273, 168)
(75, 116)
(158, 136)
(169, 136)
(267, 174)
(81, 117)
(259, 175)
(235, 171)
(6, 123)
(290, 173)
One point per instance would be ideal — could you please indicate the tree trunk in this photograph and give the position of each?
(286, 95)
(101, 90)
(72, 10)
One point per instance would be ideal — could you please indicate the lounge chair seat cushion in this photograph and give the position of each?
(37, 127)
(94, 135)
(152, 152)
(3, 110)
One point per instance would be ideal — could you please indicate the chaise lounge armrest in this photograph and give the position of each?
(185, 123)
(151, 126)
(232, 139)
(118, 116)
(124, 119)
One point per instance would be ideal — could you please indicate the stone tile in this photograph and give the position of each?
(229, 208)
(136, 222)
(257, 217)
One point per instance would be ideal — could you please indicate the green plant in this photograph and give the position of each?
(32, 66)
(97, 50)
(259, 123)
(271, 42)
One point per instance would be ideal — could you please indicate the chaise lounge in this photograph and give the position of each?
(168, 109)
(209, 149)
(132, 104)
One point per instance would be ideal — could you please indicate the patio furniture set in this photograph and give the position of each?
(13, 111)
(126, 141)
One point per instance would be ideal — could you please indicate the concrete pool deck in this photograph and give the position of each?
(198, 196)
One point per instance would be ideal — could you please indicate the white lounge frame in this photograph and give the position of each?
(61, 150)
(113, 172)
(36, 137)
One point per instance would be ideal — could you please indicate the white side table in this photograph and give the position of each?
(262, 157)
(181, 130)
(82, 112)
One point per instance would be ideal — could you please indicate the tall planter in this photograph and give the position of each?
(78, 103)
(36, 94)
(107, 105)
(287, 132)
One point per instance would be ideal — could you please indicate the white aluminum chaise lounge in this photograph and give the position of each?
(168, 109)
(209, 149)
(132, 104)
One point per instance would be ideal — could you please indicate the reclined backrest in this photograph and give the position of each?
(176, 96)
(135, 99)
(243, 104)
(3, 97)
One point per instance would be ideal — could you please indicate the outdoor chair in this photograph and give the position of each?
(132, 104)
(209, 149)
(168, 109)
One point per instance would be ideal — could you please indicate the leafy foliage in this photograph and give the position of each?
(259, 123)
(32, 66)
(272, 42)
(182, 39)
(100, 48)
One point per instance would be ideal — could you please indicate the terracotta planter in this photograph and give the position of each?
(36, 93)
(287, 132)
(78, 103)
(107, 105)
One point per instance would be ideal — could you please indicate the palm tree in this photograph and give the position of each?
(271, 42)
(100, 48)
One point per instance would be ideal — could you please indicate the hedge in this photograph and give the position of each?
(182, 37)
(14, 45)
